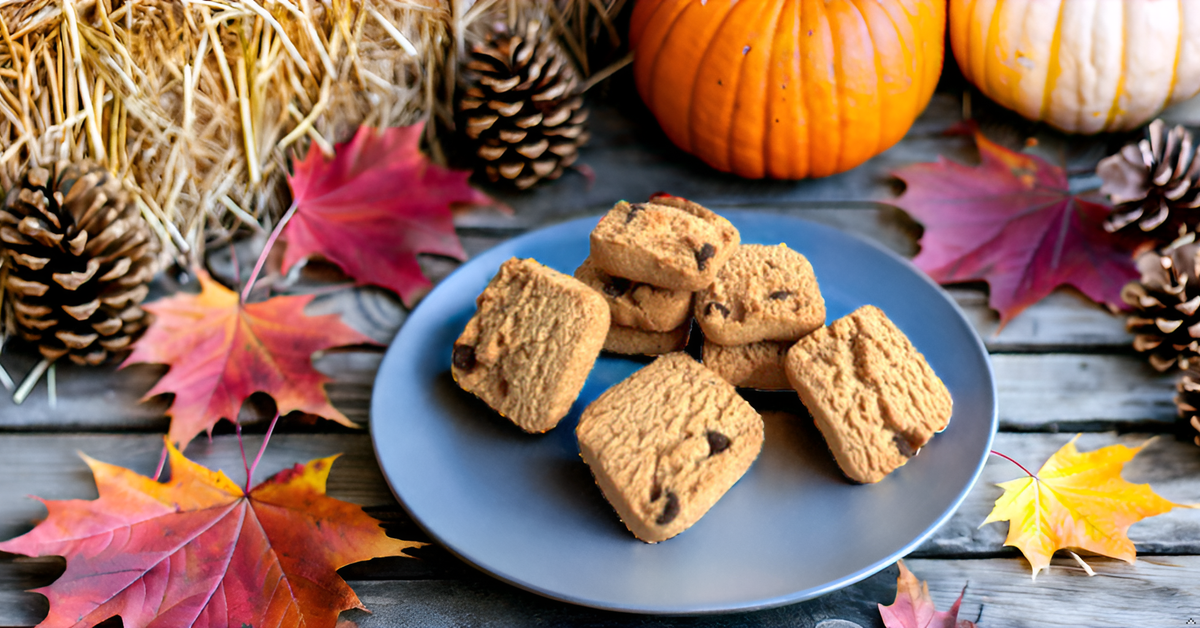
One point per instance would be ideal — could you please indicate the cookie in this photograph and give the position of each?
(633, 341)
(678, 247)
(762, 293)
(532, 342)
(872, 394)
(756, 365)
(666, 443)
(636, 304)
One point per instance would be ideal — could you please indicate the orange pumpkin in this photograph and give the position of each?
(1083, 66)
(787, 88)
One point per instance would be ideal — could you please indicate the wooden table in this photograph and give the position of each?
(1063, 366)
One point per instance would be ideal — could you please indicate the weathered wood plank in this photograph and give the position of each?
(475, 600)
(1082, 392)
(48, 466)
(489, 603)
(630, 158)
(1150, 593)
(1057, 391)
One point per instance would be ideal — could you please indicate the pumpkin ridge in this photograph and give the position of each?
(651, 88)
(769, 44)
(990, 45)
(1054, 70)
(693, 125)
(789, 138)
(1112, 109)
(917, 86)
(1178, 53)
(805, 106)
(845, 121)
(881, 139)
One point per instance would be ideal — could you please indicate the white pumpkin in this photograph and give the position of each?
(1083, 66)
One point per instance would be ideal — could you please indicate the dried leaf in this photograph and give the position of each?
(914, 608)
(374, 207)
(1076, 501)
(221, 352)
(198, 551)
(1012, 221)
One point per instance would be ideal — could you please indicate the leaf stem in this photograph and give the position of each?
(162, 462)
(262, 257)
(233, 261)
(266, 439)
(1022, 467)
(242, 447)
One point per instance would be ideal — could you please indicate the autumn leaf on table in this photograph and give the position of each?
(1012, 221)
(1076, 500)
(374, 207)
(199, 551)
(914, 608)
(221, 352)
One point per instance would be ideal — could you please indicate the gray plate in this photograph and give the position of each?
(525, 508)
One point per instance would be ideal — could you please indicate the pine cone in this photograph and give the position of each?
(519, 107)
(1153, 183)
(1187, 399)
(77, 257)
(1165, 320)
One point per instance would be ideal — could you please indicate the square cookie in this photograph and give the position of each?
(634, 341)
(761, 293)
(755, 365)
(637, 304)
(533, 340)
(666, 443)
(678, 247)
(872, 394)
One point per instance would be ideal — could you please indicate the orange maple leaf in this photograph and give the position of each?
(914, 607)
(1077, 500)
(221, 352)
(199, 551)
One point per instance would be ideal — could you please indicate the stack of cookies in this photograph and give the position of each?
(763, 300)
(666, 443)
(648, 259)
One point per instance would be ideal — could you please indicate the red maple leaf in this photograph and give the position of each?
(221, 352)
(1012, 221)
(199, 551)
(374, 207)
(914, 608)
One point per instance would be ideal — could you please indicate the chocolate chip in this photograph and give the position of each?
(655, 491)
(616, 287)
(717, 442)
(713, 306)
(670, 511)
(464, 357)
(906, 447)
(634, 208)
(779, 295)
(704, 254)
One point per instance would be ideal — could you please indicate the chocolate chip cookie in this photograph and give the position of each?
(637, 304)
(761, 293)
(533, 340)
(666, 242)
(634, 341)
(755, 365)
(872, 394)
(666, 443)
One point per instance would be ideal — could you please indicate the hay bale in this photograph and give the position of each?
(198, 105)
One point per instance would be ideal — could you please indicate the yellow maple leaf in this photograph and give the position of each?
(1077, 500)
